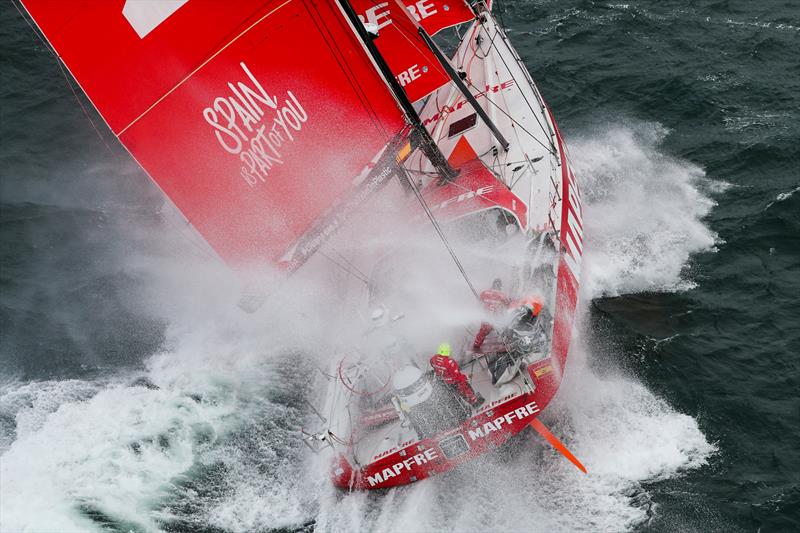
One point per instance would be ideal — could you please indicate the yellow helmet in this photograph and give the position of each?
(444, 349)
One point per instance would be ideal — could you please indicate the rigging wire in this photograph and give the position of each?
(475, 47)
(350, 263)
(356, 274)
(530, 107)
(438, 229)
(480, 92)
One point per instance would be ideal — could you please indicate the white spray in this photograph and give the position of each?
(226, 383)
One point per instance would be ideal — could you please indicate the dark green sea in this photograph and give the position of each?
(683, 392)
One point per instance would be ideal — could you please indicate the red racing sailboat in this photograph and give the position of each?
(223, 105)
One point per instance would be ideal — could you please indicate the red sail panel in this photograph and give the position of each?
(436, 15)
(475, 189)
(411, 61)
(433, 15)
(253, 116)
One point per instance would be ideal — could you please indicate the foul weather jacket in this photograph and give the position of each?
(495, 301)
(449, 372)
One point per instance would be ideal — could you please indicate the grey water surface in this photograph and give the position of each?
(683, 120)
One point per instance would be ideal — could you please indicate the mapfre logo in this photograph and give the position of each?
(146, 15)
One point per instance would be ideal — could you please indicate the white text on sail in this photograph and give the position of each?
(243, 128)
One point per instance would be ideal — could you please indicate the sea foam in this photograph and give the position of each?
(134, 456)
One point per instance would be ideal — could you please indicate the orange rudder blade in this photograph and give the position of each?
(557, 444)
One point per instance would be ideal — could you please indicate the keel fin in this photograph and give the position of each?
(557, 444)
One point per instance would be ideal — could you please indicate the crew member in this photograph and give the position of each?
(495, 301)
(528, 309)
(448, 371)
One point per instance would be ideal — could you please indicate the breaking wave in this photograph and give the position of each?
(206, 435)
(644, 211)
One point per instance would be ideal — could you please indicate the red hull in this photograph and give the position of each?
(504, 418)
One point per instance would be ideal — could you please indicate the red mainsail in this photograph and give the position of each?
(253, 116)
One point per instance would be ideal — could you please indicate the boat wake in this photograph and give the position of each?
(206, 435)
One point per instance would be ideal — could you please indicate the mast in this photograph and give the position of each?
(420, 137)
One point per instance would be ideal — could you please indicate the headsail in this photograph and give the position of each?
(436, 15)
(254, 117)
(411, 61)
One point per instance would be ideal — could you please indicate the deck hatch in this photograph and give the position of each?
(461, 125)
(453, 446)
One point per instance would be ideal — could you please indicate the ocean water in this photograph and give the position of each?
(682, 395)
